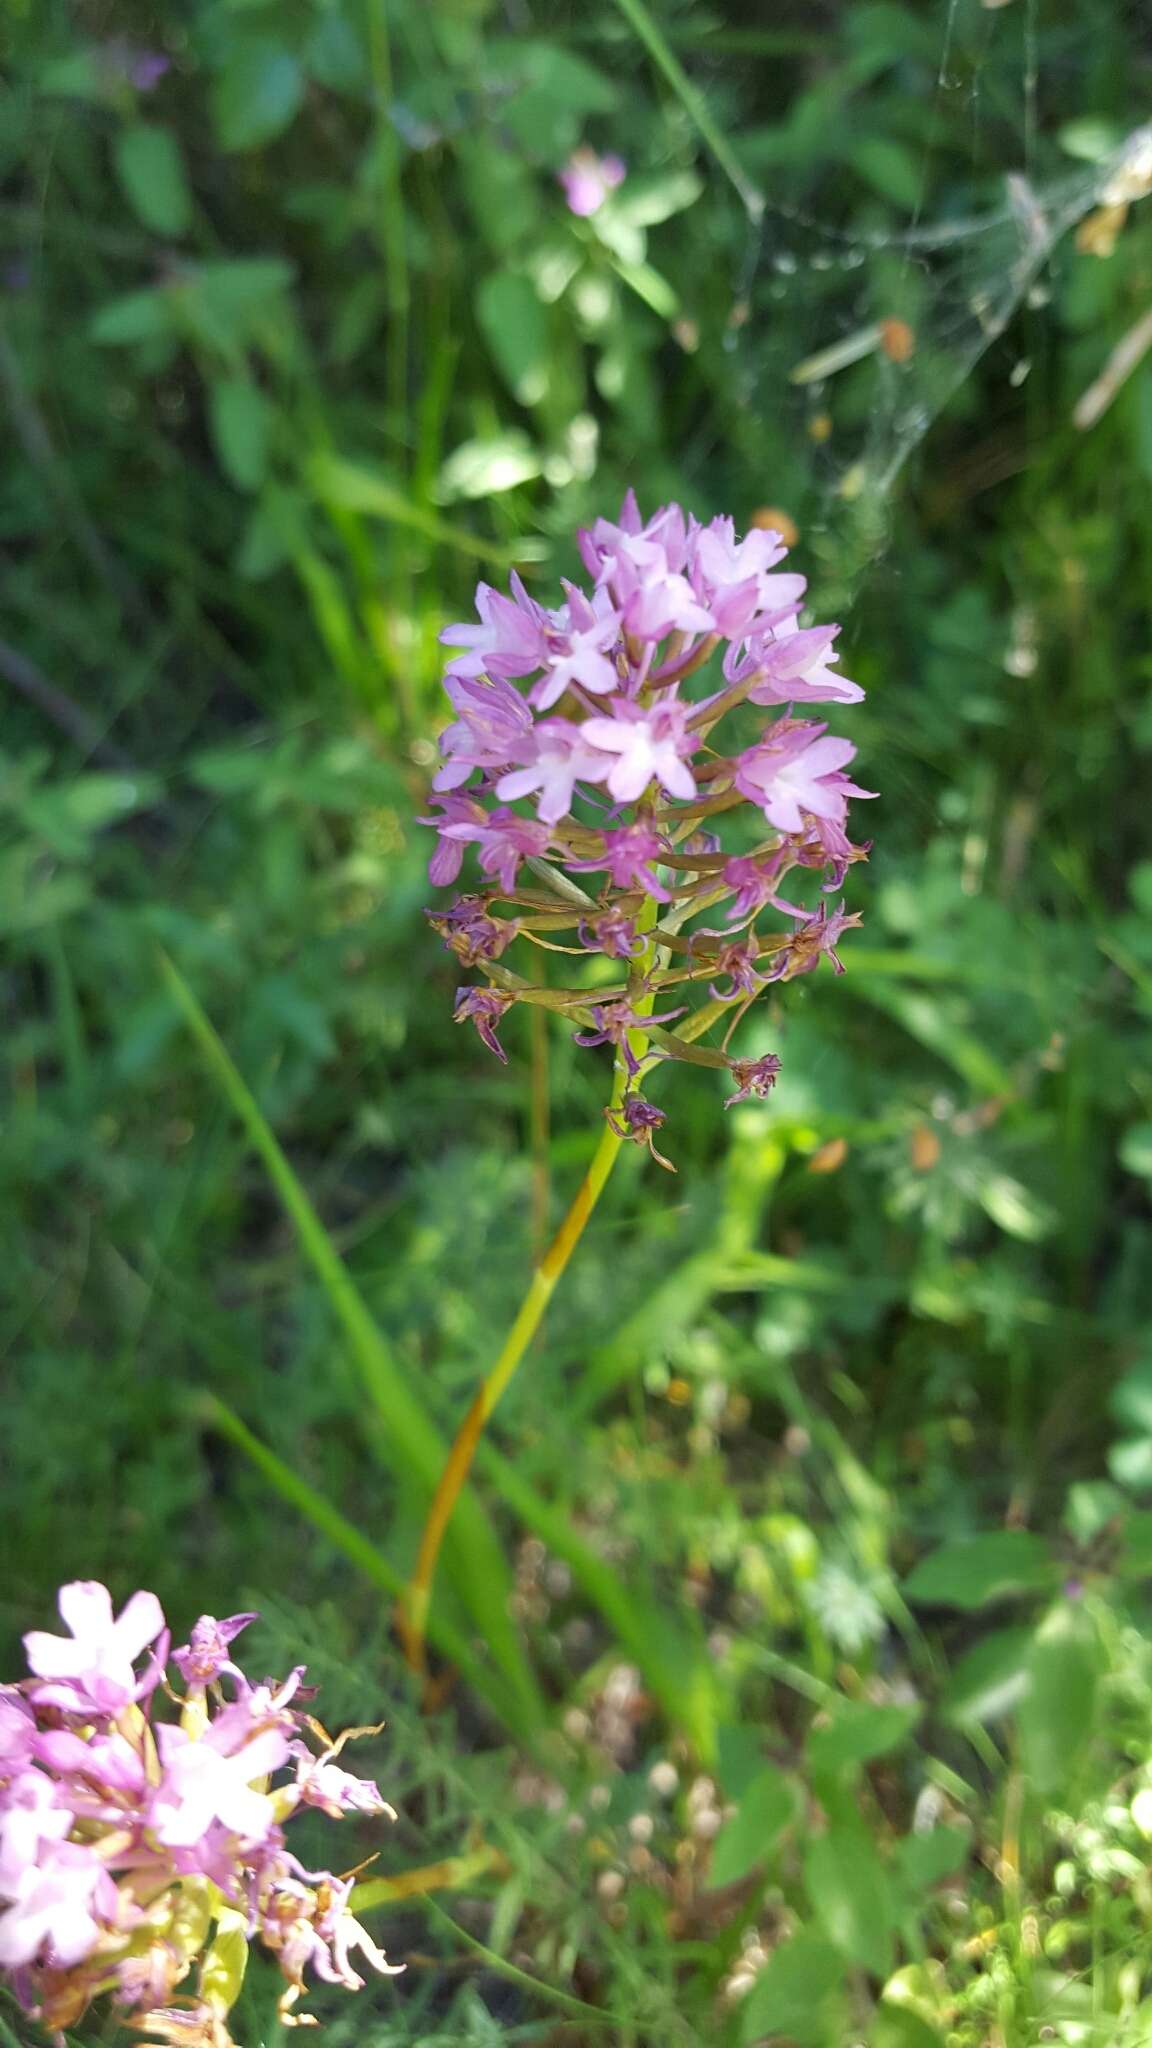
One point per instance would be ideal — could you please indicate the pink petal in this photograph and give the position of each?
(677, 777)
(630, 778)
(824, 756)
(611, 735)
(139, 1625)
(266, 1752)
(86, 1608)
(521, 782)
(55, 1656)
(243, 1811)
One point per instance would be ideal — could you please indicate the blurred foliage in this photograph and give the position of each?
(816, 1702)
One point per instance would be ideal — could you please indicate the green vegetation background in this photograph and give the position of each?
(827, 1485)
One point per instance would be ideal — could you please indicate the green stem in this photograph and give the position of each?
(638, 17)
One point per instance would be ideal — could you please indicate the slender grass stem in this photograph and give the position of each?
(639, 18)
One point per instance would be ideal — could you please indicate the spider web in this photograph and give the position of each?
(872, 334)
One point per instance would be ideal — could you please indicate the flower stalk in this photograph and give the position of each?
(546, 1276)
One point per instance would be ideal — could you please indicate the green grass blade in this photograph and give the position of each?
(358, 488)
(345, 1537)
(639, 19)
(410, 1439)
(535, 1985)
(416, 1439)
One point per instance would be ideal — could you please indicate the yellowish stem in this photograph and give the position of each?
(413, 1617)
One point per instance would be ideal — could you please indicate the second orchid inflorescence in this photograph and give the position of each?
(585, 744)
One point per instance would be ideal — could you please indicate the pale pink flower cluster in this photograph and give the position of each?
(584, 743)
(136, 1850)
(587, 179)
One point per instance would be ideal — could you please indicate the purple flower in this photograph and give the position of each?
(33, 1819)
(320, 1782)
(654, 599)
(731, 576)
(612, 933)
(112, 1827)
(639, 1121)
(601, 707)
(650, 743)
(578, 654)
(796, 667)
(754, 881)
(816, 939)
(141, 69)
(587, 180)
(510, 639)
(754, 1077)
(613, 1022)
(205, 1655)
(562, 758)
(789, 777)
(57, 1910)
(210, 1780)
(17, 1731)
(493, 730)
(737, 960)
(643, 567)
(506, 841)
(106, 1767)
(461, 820)
(147, 69)
(468, 931)
(93, 1669)
(629, 852)
(485, 1007)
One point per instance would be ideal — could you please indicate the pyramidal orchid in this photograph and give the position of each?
(142, 1828)
(654, 731)
(637, 774)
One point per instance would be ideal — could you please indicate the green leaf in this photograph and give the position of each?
(137, 316)
(547, 90)
(979, 1569)
(924, 1860)
(1130, 1402)
(847, 1886)
(80, 76)
(336, 56)
(151, 171)
(857, 1733)
(648, 201)
(1059, 1708)
(484, 468)
(232, 303)
(1130, 1463)
(66, 815)
(359, 488)
(241, 420)
(990, 1679)
(257, 95)
(1136, 1556)
(1013, 1208)
(895, 2027)
(739, 1759)
(1136, 1150)
(765, 1809)
(890, 169)
(515, 325)
(798, 1995)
